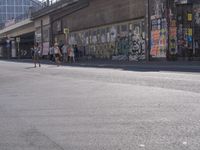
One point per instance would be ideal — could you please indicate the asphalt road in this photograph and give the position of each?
(88, 108)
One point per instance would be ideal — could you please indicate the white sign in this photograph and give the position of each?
(18, 39)
(181, 1)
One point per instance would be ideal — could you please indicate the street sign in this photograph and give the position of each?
(66, 31)
(18, 39)
(8, 43)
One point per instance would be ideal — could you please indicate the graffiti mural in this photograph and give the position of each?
(116, 42)
(197, 16)
(173, 40)
(137, 46)
(197, 29)
(159, 29)
(159, 36)
(131, 46)
(158, 8)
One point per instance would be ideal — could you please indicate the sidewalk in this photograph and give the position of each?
(183, 66)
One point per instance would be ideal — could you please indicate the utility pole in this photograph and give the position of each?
(148, 30)
(168, 29)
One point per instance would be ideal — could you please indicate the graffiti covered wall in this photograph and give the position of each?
(124, 41)
(159, 29)
(197, 29)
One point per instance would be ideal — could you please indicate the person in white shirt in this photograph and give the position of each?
(57, 54)
(71, 53)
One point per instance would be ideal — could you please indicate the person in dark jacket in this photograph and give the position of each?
(76, 52)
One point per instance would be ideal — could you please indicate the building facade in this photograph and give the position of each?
(11, 10)
(106, 29)
(175, 29)
(122, 30)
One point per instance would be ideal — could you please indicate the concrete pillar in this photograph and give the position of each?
(13, 50)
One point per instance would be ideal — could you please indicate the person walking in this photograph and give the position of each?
(58, 54)
(36, 55)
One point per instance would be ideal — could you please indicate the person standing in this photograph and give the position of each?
(71, 53)
(64, 52)
(36, 55)
(76, 52)
(58, 54)
(51, 53)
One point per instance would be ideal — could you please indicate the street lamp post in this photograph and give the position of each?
(168, 28)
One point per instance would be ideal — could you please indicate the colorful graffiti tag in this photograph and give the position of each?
(159, 36)
(116, 42)
(159, 29)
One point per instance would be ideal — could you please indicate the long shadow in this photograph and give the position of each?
(146, 68)
(154, 66)
(29, 68)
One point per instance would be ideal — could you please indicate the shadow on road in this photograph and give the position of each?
(153, 66)
(29, 68)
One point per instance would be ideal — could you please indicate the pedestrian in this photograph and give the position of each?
(58, 54)
(51, 53)
(71, 54)
(36, 55)
(64, 52)
(76, 52)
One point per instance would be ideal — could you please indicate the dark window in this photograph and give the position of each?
(18, 2)
(10, 2)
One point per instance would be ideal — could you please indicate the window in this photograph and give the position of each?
(26, 2)
(18, 2)
(2, 9)
(18, 9)
(2, 2)
(26, 9)
(10, 2)
(10, 9)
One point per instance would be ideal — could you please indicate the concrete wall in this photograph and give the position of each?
(101, 12)
(108, 29)
(23, 27)
(45, 19)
